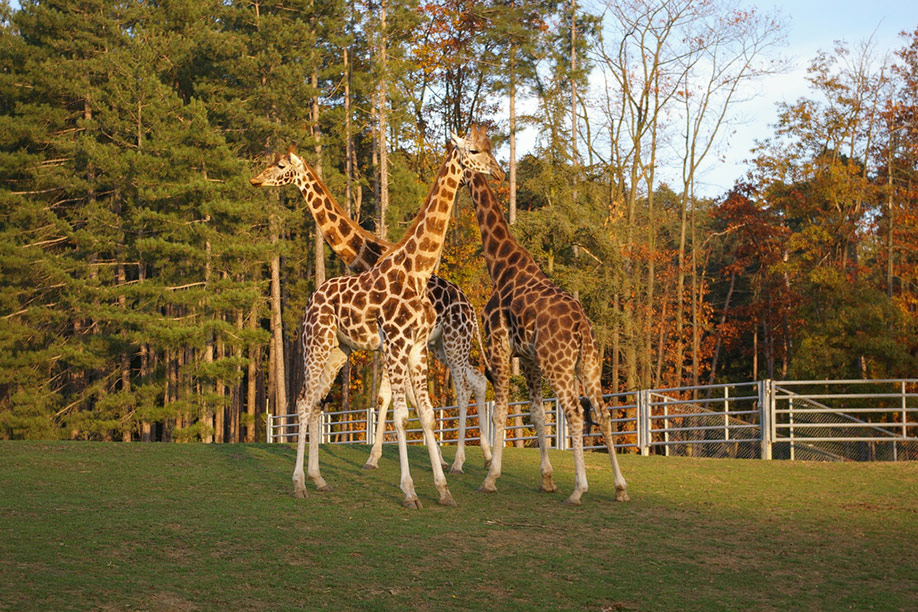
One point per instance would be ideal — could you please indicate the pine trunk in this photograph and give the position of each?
(277, 333)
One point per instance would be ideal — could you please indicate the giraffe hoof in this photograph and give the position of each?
(549, 488)
(413, 504)
(447, 500)
(486, 489)
(370, 466)
(444, 466)
(324, 489)
(622, 496)
(456, 470)
(299, 493)
(570, 501)
(487, 463)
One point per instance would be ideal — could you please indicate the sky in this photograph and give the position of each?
(813, 25)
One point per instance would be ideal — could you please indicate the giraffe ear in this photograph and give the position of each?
(277, 157)
(291, 148)
(458, 142)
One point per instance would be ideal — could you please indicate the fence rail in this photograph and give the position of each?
(835, 420)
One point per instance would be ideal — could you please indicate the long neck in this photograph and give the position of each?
(504, 256)
(420, 249)
(358, 248)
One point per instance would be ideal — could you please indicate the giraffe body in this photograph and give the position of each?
(529, 316)
(456, 323)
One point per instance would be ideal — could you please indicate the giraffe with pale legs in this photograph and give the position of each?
(528, 316)
(384, 307)
(456, 325)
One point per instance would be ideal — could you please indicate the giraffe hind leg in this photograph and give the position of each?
(462, 400)
(606, 425)
(574, 414)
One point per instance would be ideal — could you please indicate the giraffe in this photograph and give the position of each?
(456, 323)
(384, 307)
(529, 316)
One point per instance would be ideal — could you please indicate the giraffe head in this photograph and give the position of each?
(475, 151)
(282, 171)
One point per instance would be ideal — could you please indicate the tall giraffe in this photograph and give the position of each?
(385, 306)
(456, 324)
(530, 317)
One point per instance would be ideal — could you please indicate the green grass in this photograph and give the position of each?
(94, 526)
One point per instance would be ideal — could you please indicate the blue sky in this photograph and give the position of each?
(813, 25)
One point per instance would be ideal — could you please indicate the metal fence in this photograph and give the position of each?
(834, 420)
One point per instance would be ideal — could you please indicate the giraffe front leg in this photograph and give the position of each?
(432, 442)
(383, 399)
(417, 369)
(400, 415)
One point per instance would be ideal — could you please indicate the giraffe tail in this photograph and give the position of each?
(481, 350)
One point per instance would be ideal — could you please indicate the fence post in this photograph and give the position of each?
(665, 424)
(766, 415)
(269, 432)
(643, 424)
(726, 413)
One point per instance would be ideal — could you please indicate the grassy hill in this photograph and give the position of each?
(94, 526)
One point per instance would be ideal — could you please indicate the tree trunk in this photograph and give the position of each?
(719, 336)
(220, 407)
(616, 346)
(277, 344)
(382, 231)
(574, 161)
(254, 353)
(317, 135)
(511, 176)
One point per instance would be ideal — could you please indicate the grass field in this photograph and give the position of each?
(94, 526)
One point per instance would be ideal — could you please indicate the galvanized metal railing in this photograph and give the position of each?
(765, 419)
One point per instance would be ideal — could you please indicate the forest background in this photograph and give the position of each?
(150, 293)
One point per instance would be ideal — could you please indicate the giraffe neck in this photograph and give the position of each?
(420, 249)
(505, 257)
(358, 248)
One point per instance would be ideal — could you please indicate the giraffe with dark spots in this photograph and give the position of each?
(456, 327)
(530, 317)
(332, 328)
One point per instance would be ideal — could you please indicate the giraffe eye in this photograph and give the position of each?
(474, 151)
(280, 165)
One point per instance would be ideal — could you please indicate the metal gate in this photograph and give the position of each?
(829, 420)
